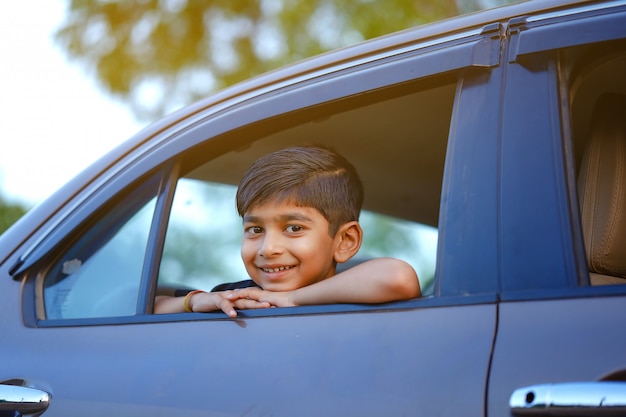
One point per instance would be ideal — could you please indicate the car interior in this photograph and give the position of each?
(397, 144)
(599, 122)
(602, 192)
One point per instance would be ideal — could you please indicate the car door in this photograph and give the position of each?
(560, 347)
(77, 297)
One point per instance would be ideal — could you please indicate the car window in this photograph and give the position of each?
(397, 145)
(99, 275)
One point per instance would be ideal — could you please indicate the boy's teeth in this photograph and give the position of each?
(280, 268)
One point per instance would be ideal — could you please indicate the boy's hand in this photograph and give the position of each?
(257, 295)
(211, 301)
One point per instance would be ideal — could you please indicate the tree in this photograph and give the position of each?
(161, 55)
(9, 214)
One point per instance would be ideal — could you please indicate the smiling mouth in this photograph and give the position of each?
(277, 269)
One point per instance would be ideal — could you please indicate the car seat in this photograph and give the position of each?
(602, 192)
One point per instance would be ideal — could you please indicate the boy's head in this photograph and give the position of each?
(300, 209)
(306, 176)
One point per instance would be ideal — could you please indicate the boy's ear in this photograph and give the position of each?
(348, 241)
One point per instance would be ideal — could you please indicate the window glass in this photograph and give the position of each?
(99, 275)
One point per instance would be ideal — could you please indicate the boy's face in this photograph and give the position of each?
(286, 247)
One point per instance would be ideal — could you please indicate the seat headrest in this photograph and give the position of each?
(602, 189)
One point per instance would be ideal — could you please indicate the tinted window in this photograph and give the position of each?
(99, 275)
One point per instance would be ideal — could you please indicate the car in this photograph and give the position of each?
(492, 148)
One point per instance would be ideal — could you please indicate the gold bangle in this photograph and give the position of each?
(187, 298)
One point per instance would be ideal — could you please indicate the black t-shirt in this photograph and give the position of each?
(222, 287)
(235, 285)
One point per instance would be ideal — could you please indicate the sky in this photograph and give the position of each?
(54, 119)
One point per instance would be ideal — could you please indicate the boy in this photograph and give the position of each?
(300, 208)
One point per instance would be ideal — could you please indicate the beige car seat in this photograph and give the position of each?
(602, 192)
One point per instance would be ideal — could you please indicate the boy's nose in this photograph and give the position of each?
(270, 245)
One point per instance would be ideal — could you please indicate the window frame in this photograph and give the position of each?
(536, 55)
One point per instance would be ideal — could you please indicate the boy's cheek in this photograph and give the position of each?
(246, 246)
(248, 254)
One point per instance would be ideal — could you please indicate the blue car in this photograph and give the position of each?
(492, 148)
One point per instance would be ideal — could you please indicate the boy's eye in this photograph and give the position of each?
(294, 228)
(254, 230)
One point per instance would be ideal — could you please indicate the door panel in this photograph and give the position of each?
(425, 361)
(552, 327)
(555, 341)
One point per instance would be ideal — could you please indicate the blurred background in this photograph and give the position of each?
(79, 77)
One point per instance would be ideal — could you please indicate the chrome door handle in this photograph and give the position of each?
(23, 399)
(603, 398)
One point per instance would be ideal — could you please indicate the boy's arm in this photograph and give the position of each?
(376, 281)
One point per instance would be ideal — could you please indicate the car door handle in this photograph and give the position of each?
(24, 400)
(603, 398)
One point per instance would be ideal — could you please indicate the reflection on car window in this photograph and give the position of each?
(99, 276)
(204, 236)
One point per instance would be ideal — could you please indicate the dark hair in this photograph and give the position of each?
(310, 176)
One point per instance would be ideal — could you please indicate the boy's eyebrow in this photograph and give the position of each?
(250, 219)
(281, 218)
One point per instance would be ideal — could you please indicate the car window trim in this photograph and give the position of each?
(531, 35)
(156, 238)
(272, 313)
(617, 290)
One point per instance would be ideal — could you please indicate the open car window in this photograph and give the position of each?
(397, 145)
(149, 242)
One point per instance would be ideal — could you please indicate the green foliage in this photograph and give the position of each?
(9, 214)
(161, 55)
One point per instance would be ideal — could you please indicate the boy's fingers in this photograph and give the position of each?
(244, 293)
(227, 307)
(247, 304)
